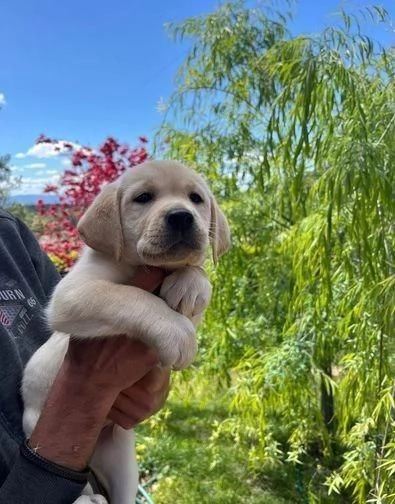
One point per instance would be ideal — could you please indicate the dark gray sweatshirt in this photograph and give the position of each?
(27, 278)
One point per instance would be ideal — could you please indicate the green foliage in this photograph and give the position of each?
(28, 215)
(297, 136)
(180, 442)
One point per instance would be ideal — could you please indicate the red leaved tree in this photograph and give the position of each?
(89, 170)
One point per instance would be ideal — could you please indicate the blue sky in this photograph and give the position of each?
(83, 69)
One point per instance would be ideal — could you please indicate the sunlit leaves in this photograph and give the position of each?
(297, 136)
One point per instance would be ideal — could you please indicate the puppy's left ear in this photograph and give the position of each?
(100, 227)
(219, 231)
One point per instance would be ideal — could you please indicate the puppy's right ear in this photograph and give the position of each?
(100, 227)
(219, 231)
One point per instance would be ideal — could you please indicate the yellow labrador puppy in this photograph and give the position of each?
(160, 213)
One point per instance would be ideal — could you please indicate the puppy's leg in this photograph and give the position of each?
(188, 291)
(114, 462)
(98, 308)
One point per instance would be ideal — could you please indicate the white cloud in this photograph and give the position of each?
(46, 172)
(13, 183)
(2, 99)
(65, 162)
(35, 185)
(34, 165)
(46, 150)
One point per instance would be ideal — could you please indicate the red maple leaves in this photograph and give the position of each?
(76, 188)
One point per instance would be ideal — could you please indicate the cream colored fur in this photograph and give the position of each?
(96, 299)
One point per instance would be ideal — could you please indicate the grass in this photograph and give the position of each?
(179, 449)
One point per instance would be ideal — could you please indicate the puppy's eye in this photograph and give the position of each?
(144, 197)
(195, 198)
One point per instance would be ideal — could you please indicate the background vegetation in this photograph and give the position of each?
(298, 136)
(293, 396)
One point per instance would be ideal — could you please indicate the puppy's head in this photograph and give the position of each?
(160, 213)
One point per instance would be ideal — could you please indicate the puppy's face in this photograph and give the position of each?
(166, 215)
(159, 213)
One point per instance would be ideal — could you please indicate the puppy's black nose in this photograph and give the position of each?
(180, 220)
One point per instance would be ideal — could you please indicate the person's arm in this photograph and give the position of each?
(34, 478)
(25, 266)
(92, 376)
(95, 381)
(52, 466)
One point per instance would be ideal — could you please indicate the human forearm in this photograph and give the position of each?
(92, 376)
(70, 423)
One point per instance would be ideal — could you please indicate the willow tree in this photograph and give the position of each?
(297, 134)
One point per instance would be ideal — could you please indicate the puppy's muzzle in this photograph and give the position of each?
(180, 221)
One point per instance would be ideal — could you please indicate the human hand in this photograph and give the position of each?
(97, 375)
(147, 396)
(141, 400)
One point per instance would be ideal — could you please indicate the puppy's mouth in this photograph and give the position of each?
(171, 251)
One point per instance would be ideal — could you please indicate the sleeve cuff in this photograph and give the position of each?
(35, 480)
(57, 470)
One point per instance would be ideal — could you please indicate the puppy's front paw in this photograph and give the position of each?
(187, 290)
(177, 345)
